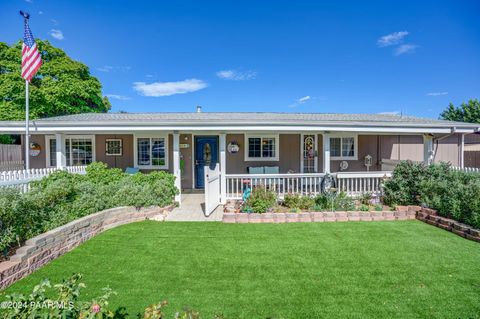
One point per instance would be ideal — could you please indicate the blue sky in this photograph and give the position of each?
(329, 56)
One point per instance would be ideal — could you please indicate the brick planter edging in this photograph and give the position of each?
(401, 213)
(430, 216)
(45, 247)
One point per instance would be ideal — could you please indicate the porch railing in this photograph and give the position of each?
(358, 183)
(279, 183)
(22, 178)
(354, 184)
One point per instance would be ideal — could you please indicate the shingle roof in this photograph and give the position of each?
(248, 117)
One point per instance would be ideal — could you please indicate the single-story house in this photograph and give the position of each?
(242, 143)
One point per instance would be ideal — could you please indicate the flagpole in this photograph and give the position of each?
(27, 131)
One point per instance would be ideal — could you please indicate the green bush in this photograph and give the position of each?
(66, 303)
(334, 201)
(261, 200)
(62, 197)
(454, 194)
(298, 201)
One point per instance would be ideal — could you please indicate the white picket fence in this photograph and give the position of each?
(22, 178)
(466, 169)
(212, 188)
(11, 166)
(354, 184)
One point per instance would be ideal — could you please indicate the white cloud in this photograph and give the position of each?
(105, 68)
(40, 12)
(437, 93)
(117, 97)
(405, 48)
(55, 22)
(301, 101)
(391, 39)
(169, 88)
(236, 75)
(29, 1)
(108, 68)
(57, 34)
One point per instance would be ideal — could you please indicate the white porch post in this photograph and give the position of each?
(223, 168)
(60, 150)
(428, 149)
(326, 153)
(462, 152)
(176, 165)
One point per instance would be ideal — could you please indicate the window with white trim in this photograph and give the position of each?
(79, 150)
(343, 147)
(152, 152)
(261, 148)
(113, 147)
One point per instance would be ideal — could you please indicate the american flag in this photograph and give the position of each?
(31, 60)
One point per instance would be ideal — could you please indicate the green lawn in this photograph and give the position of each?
(302, 270)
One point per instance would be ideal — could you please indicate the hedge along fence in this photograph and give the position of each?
(43, 248)
(63, 197)
(453, 194)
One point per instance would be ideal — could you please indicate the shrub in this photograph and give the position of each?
(297, 201)
(64, 300)
(260, 200)
(365, 198)
(364, 208)
(334, 201)
(62, 197)
(343, 202)
(454, 194)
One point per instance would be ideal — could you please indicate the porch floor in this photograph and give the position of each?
(192, 209)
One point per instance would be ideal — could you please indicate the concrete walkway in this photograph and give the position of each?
(192, 210)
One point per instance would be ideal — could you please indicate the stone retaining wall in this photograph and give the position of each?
(430, 216)
(43, 248)
(401, 213)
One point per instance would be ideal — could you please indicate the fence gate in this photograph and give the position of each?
(212, 188)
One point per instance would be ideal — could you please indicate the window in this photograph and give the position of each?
(113, 147)
(343, 147)
(261, 148)
(79, 150)
(151, 152)
(53, 152)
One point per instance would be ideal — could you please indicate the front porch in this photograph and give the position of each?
(284, 161)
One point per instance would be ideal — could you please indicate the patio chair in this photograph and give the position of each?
(132, 170)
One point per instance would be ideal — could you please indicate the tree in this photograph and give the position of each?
(466, 112)
(62, 86)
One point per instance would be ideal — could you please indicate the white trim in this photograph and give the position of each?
(194, 144)
(113, 140)
(276, 158)
(315, 150)
(462, 151)
(150, 136)
(222, 141)
(326, 152)
(176, 166)
(355, 147)
(211, 129)
(67, 137)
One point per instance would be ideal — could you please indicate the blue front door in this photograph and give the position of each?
(206, 154)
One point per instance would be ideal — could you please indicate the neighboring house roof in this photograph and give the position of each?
(241, 121)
